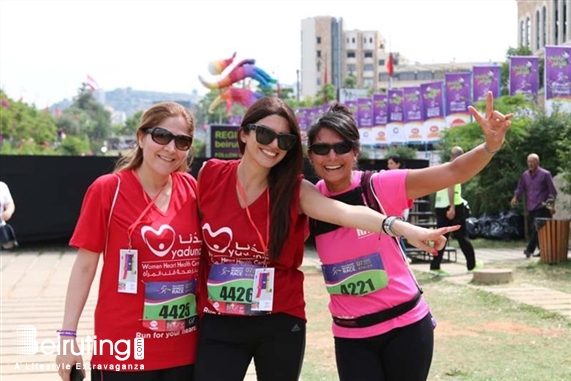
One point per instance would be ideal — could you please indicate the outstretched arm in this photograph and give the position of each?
(80, 281)
(422, 182)
(319, 207)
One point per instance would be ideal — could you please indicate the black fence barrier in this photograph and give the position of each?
(48, 190)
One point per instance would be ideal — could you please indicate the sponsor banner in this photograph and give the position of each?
(351, 94)
(302, 118)
(395, 125)
(235, 120)
(524, 76)
(380, 118)
(485, 78)
(458, 95)
(365, 120)
(433, 102)
(224, 142)
(413, 115)
(558, 78)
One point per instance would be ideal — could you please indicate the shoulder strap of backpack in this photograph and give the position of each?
(366, 187)
(373, 203)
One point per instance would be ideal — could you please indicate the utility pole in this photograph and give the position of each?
(298, 85)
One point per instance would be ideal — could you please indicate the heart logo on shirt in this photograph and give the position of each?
(159, 241)
(217, 241)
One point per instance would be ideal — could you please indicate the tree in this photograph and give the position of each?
(491, 190)
(99, 125)
(350, 81)
(326, 94)
(24, 126)
(131, 124)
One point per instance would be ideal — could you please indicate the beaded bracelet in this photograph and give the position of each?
(64, 332)
(388, 225)
(488, 150)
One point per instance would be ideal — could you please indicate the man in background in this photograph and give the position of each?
(538, 186)
(451, 210)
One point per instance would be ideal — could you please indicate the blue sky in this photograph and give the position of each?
(48, 47)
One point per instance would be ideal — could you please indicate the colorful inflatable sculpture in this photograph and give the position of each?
(239, 72)
(230, 95)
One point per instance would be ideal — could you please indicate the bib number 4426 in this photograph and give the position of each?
(236, 294)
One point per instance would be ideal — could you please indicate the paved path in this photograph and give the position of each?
(34, 284)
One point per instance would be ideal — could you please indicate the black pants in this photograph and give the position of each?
(403, 354)
(227, 344)
(461, 235)
(533, 214)
(179, 373)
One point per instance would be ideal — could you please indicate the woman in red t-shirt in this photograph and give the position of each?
(144, 220)
(253, 216)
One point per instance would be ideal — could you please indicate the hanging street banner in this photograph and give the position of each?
(557, 79)
(395, 126)
(458, 97)
(380, 118)
(524, 76)
(413, 115)
(433, 99)
(486, 78)
(365, 120)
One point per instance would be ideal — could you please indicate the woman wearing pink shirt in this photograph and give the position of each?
(382, 327)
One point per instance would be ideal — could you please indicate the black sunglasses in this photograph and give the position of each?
(323, 149)
(265, 136)
(163, 137)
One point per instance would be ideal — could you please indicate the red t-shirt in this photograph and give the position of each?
(169, 246)
(230, 238)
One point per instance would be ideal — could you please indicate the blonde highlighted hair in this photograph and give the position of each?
(153, 117)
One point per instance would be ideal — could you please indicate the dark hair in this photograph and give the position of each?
(339, 119)
(154, 116)
(282, 178)
(396, 158)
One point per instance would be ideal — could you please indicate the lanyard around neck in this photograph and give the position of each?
(242, 195)
(138, 220)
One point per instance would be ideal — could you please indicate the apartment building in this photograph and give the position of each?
(542, 23)
(320, 53)
(331, 54)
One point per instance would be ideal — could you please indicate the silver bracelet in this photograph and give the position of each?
(491, 152)
(388, 225)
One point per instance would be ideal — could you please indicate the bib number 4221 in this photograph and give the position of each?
(358, 288)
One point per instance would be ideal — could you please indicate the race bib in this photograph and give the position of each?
(359, 276)
(170, 306)
(231, 289)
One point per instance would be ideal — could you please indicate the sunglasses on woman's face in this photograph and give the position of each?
(323, 149)
(163, 137)
(265, 136)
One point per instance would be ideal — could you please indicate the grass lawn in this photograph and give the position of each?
(480, 336)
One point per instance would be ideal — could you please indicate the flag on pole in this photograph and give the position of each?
(390, 70)
(91, 83)
(390, 65)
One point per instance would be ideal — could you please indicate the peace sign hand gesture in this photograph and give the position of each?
(494, 124)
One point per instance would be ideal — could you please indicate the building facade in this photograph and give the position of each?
(542, 23)
(320, 53)
(357, 59)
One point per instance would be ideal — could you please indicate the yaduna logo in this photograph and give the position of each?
(219, 240)
(159, 241)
